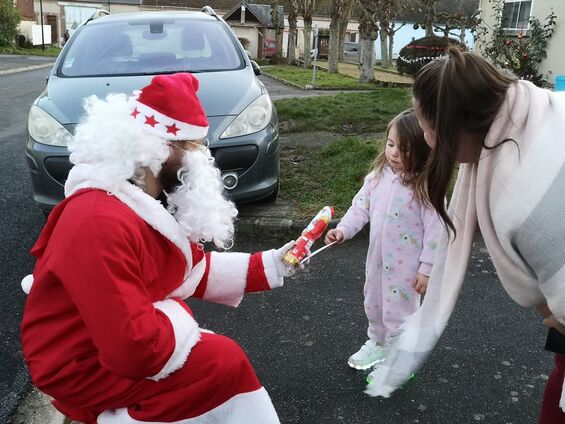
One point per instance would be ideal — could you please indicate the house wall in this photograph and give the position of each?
(554, 64)
(58, 8)
(250, 33)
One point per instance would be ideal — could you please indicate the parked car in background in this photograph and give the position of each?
(121, 53)
(351, 52)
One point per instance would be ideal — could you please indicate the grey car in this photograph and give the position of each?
(351, 52)
(121, 53)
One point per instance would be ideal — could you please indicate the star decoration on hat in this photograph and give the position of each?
(172, 129)
(150, 120)
(134, 113)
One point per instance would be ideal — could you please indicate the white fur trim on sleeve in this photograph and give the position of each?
(26, 283)
(227, 277)
(186, 332)
(188, 287)
(268, 258)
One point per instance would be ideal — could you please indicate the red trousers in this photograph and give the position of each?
(216, 371)
(551, 413)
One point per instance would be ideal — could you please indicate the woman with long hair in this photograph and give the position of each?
(507, 137)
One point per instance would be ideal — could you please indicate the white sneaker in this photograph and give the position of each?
(369, 355)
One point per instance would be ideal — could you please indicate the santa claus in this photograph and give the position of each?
(105, 330)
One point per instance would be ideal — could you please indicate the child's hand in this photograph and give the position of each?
(420, 283)
(333, 235)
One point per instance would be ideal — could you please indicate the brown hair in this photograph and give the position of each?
(457, 94)
(413, 150)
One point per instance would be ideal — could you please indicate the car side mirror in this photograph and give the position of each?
(256, 68)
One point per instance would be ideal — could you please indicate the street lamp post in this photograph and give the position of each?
(41, 23)
(315, 50)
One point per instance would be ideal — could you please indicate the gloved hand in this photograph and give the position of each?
(283, 269)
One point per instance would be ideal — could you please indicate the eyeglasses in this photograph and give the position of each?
(201, 144)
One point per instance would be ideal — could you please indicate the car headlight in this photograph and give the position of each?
(45, 129)
(254, 118)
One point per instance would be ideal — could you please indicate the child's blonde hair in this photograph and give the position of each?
(413, 150)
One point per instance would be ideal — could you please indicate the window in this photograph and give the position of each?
(143, 47)
(516, 14)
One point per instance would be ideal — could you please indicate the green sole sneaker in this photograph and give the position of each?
(369, 380)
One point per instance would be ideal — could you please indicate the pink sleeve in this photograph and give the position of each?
(358, 214)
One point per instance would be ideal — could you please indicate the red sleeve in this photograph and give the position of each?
(105, 283)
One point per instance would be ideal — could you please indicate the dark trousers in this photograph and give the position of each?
(551, 413)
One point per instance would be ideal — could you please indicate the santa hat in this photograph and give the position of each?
(169, 108)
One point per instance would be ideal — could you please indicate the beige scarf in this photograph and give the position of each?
(517, 195)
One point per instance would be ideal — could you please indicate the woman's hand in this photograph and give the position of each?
(333, 235)
(420, 283)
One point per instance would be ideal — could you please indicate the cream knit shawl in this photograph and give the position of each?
(516, 194)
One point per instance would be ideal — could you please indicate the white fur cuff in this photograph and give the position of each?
(187, 334)
(270, 269)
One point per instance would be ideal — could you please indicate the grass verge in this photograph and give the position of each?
(324, 80)
(32, 51)
(344, 113)
(315, 176)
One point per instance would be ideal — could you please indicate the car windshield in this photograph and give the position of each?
(150, 47)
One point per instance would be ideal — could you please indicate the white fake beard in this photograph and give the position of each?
(198, 203)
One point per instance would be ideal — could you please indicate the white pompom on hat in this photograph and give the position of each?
(169, 108)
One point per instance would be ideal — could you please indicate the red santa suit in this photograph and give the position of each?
(105, 331)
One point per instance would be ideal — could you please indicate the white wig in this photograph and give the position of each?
(108, 139)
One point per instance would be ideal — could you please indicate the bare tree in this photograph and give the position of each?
(385, 16)
(387, 21)
(457, 14)
(368, 34)
(275, 18)
(337, 9)
(430, 16)
(292, 31)
(392, 29)
(425, 10)
(307, 8)
(343, 22)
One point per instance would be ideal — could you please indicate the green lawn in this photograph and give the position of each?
(32, 51)
(314, 176)
(303, 77)
(351, 113)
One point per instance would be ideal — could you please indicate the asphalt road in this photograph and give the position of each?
(489, 366)
(19, 226)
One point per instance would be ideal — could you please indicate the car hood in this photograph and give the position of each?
(221, 93)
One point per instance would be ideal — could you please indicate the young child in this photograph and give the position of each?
(404, 232)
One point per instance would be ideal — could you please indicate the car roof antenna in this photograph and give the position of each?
(98, 14)
(209, 11)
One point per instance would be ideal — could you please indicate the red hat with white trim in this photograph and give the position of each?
(169, 108)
